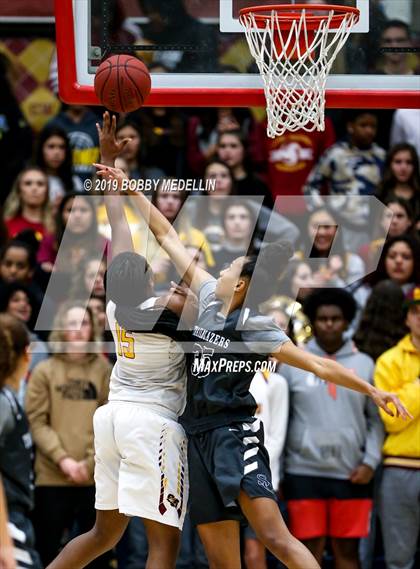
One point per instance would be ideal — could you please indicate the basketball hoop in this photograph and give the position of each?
(294, 47)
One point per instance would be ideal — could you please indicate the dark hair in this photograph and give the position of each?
(228, 168)
(285, 284)
(352, 115)
(330, 297)
(202, 217)
(389, 181)
(382, 323)
(128, 279)
(239, 203)
(65, 170)
(9, 290)
(78, 288)
(309, 248)
(14, 339)
(19, 245)
(92, 233)
(397, 24)
(243, 140)
(181, 193)
(405, 204)
(380, 274)
(265, 269)
(133, 123)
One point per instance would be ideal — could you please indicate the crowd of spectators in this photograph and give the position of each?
(352, 292)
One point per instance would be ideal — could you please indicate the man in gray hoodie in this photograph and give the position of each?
(334, 439)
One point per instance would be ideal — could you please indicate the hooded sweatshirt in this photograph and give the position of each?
(398, 371)
(332, 429)
(61, 399)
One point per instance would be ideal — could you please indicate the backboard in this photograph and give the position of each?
(198, 54)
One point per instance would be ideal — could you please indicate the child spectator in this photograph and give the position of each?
(28, 205)
(328, 471)
(291, 158)
(15, 439)
(54, 156)
(63, 394)
(401, 176)
(397, 371)
(348, 171)
(79, 123)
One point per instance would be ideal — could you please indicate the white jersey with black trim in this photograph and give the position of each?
(150, 368)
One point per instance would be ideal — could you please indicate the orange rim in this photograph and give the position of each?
(289, 13)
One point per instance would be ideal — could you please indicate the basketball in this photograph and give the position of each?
(122, 83)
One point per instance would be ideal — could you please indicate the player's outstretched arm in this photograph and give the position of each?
(165, 234)
(110, 148)
(332, 371)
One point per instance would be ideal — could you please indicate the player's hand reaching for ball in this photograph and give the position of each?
(110, 146)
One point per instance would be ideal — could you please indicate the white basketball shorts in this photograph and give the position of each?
(140, 463)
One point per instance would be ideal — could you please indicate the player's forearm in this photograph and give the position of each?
(335, 373)
(160, 227)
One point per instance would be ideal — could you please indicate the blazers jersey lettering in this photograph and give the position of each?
(150, 367)
(226, 354)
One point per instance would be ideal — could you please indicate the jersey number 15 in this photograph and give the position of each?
(125, 343)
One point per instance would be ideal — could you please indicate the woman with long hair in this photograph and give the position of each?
(382, 323)
(401, 175)
(232, 149)
(219, 412)
(134, 152)
(397, 219)
(28, 205)
(54, 156)
(63, 394)
(76, 235)
(399, 261)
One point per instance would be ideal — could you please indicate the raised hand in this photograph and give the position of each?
(110, 173)
(109, 146)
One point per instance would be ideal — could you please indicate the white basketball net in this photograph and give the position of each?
(295, 72)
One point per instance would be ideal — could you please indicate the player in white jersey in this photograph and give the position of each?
(140, 448)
